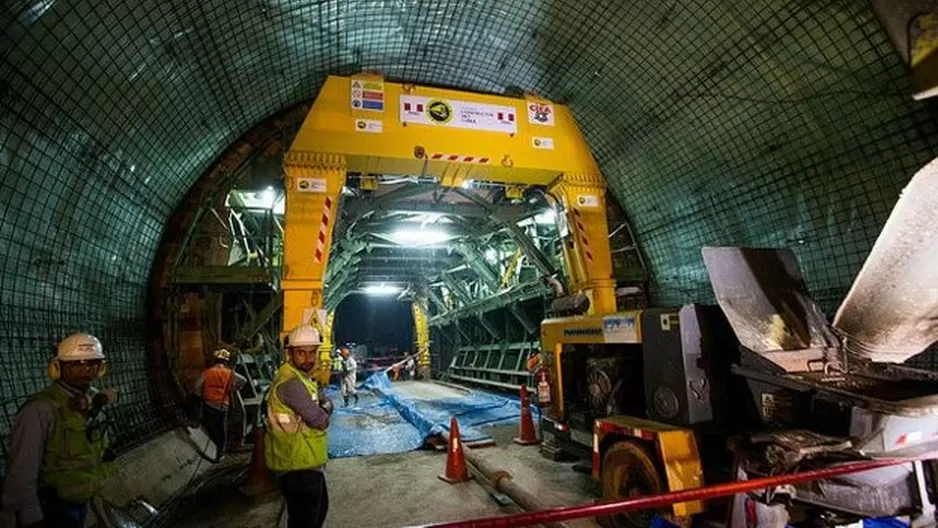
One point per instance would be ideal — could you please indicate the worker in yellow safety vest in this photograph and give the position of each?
(216, 385)
(59, 448)
(337, 366)
(296, 445)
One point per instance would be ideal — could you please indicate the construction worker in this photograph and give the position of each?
(296, 445)
(410, 367)
(216, 385)
(350, 372)
(59, 450)
(337, 366)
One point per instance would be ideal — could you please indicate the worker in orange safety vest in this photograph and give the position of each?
(216, 385)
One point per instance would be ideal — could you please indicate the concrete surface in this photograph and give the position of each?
(400, 489)
(422, 390)
(384, 491)
(168, 463)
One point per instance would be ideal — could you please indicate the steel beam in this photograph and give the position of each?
(517, 294)
(488, 327)
(358, 209)
(522, 318)
(476, 262)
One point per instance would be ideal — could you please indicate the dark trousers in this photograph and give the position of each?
(306, 496)
(59, 513)
(216, 422)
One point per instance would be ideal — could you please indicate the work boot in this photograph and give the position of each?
(356, 399)
(346, 400)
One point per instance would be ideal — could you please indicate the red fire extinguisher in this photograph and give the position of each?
(541, 379)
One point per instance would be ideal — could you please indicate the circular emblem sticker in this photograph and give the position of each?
(439, 111)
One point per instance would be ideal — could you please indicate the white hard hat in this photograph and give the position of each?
(222, 353)
(78, 347)
(304, 335)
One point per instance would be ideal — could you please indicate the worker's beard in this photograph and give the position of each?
(306, 366)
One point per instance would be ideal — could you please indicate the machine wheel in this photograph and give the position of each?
(628, 471)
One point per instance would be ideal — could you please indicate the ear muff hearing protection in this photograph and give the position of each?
(55, 369)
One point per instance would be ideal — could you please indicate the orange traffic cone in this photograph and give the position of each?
(260, 479)
(456, 470)
(528, 436)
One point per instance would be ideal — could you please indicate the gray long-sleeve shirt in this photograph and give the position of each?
(27, 445)
(293, 394)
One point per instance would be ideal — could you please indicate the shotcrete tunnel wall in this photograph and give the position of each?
(747, 123)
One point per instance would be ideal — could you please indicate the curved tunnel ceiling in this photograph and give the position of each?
(716, 122)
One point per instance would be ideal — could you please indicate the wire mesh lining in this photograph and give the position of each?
(756, 123)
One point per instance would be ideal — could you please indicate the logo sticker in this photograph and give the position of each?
(543, 143)
(373, 126)
(314, 185)
(587, 200)
(540, 113)
(439, 111)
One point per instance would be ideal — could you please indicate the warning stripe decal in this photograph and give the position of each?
(323, 230)
(582, 230)
(458, 158)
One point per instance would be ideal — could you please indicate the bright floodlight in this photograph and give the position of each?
(268, 197)
(548, 217)
(419, 237)
(381, 289)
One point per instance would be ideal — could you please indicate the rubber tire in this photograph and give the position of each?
(628, 460)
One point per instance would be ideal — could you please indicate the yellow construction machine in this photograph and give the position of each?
(366, 126)
(637, 391)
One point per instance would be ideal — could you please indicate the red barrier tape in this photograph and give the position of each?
(606, 508)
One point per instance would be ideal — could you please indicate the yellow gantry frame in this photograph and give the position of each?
(338, 137)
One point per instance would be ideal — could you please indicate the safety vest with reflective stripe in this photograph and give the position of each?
(72, 464)
(216, 385)
(290, 444)
(337, 364)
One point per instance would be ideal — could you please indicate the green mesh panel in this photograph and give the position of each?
(716, 122)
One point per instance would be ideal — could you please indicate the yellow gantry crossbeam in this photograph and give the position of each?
(368, 126)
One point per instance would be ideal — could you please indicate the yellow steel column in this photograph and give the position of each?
(325, 350)
(313, 185)
(422, 334)
(586, 246)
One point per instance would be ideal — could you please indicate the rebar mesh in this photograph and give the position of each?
(748, 123)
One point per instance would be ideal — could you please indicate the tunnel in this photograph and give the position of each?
(772, 123)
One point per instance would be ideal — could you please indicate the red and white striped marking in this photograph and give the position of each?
(323, 230)
(582, 230)
(458, 158)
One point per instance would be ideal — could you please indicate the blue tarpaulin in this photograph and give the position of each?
(394, 423)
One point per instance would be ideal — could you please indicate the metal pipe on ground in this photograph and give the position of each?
(503, 482)
(603, 509)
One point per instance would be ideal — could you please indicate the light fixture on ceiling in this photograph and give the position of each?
(381, 289)
(419, 237)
